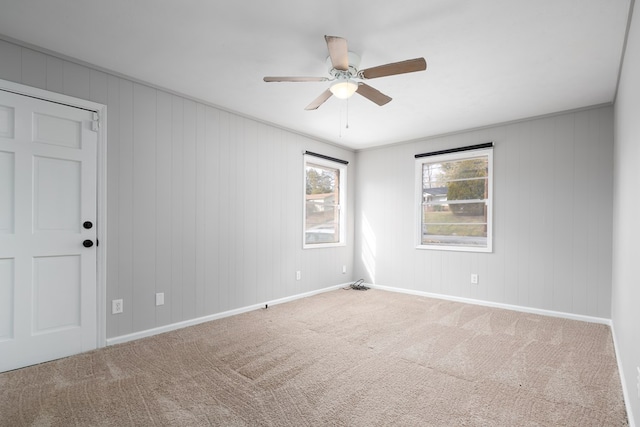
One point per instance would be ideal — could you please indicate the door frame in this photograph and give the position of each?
(101, 170)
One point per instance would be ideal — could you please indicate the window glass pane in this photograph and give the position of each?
(433, 175)
(458, 235)
(468, 189)
(443, 220)
(322, 197)
(455, 201)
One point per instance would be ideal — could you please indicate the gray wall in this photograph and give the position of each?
(203, 205)
(552, 217)
(626, 230)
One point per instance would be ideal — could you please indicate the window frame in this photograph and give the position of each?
(342, 201)
(451, 157)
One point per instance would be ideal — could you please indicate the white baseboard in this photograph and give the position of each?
(531, 310)
(625, 391)
(179, 325)
(196, 321)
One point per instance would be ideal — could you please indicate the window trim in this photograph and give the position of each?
(342, 202)
(449, 157)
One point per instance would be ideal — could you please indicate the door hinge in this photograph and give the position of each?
(95, 124)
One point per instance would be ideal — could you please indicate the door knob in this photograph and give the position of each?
(87, 243)
(87, 225)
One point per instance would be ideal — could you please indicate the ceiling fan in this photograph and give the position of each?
(348, 79)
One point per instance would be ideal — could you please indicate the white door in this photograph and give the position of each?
(47, 211)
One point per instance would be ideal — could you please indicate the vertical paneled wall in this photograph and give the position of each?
(202, 204)
(626, 232)
(552, 217)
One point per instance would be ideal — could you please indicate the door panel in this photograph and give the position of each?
(56, 195)
(6, 299)
(7, 184)
(56, 293)
(47, 190)
(56, 130)
(6, 121)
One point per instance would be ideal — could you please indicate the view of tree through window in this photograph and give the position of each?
(455, 201)
(322, 204)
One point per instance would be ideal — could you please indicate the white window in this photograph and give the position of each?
(454, 192)
(324, 202)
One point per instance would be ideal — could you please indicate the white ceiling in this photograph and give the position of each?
(488, 61)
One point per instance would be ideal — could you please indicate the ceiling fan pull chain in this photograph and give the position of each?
(347, 126)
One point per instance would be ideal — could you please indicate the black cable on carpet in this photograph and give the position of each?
(357, 286)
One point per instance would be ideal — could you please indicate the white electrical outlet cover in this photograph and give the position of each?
(116, 306)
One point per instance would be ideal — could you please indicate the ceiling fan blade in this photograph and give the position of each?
(339, 52)
(402, 67)
(372, 94)
(319, 100)
(295, 79)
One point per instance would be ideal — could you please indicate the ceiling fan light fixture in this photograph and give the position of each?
(343, 89)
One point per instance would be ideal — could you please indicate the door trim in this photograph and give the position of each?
(101, 231)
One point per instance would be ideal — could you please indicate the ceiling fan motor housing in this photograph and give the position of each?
(350, 73)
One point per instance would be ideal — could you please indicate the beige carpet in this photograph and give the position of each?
(342, 358)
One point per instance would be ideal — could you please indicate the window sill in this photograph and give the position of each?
(322, 245)
(456, 248)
